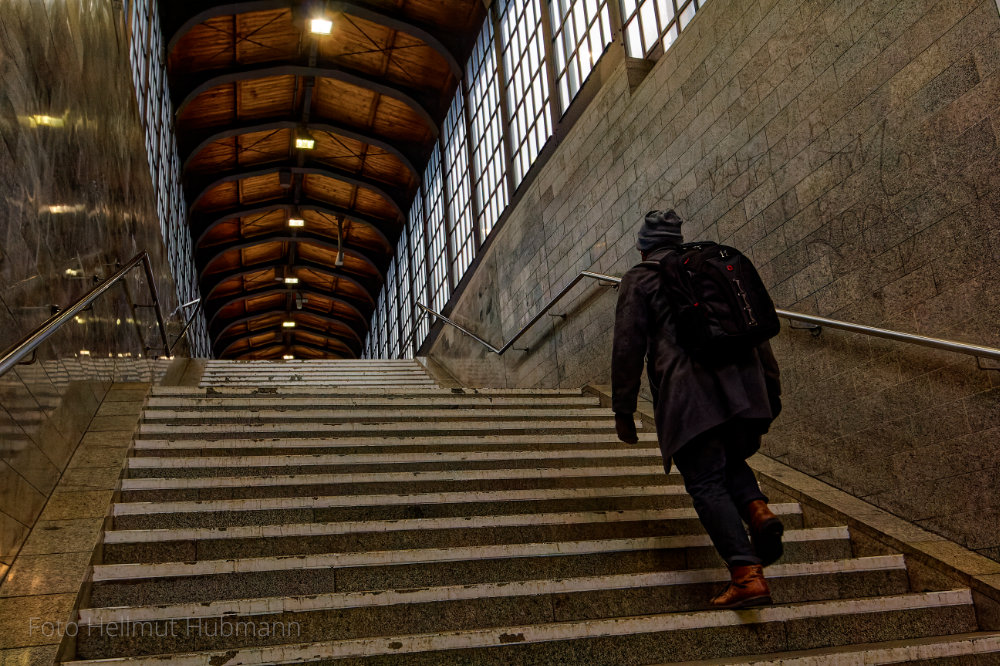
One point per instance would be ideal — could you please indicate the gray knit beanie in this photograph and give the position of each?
(660, 228)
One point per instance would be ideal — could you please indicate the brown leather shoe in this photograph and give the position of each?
(765, 532)
(746, 589)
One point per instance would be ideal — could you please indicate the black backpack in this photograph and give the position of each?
(722, 306)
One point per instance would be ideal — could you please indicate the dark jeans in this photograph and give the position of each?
(721, 484)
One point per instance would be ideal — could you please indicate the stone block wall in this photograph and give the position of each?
(850, 148)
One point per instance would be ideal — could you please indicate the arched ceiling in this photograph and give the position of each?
(250, 78)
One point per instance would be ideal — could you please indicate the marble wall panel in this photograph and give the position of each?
(77, 203)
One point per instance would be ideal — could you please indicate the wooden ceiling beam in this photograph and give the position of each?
(205, 259)
(212, 282)
(409, 154)
(445, 46)
(188, 89)
(282, 347)
(208, 222)
(221, 346)
(222, 337)
(283, 290)
(198, 189)
(423, 33)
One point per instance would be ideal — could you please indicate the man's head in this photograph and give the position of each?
(661, 228)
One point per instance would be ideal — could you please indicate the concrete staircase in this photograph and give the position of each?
(259, 374)
(388, 521)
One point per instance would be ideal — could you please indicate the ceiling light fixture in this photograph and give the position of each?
(296, 222)
(321, 26)
(288, 357)
(304, 140)
(291, 280)
(288, 324)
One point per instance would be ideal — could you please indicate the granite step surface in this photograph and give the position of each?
(389, 520)
(194, 544)
(323, 571)
(478, 606)
(644, 639)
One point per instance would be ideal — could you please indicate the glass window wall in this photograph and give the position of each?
(581, 32)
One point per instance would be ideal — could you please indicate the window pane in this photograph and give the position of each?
(437, 263)
(418, 253)
(579, 40)
(525, 78)
(654, 23)
(488, 164)
(460, 237)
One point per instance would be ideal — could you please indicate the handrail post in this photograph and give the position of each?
(151, 282)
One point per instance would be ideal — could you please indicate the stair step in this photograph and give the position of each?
(197, 544)
(398, 460)
(236, 512)
(967, 649)
(648, 638)
(208, 580)
(354, 415)
(448, 608)
(360, 480)
(216, 488)
(299, 380)
(478, 522)
(384, 391)
(374, 428)
(482, 442)
(451, 401)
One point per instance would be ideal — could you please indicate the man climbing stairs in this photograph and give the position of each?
(355, 512)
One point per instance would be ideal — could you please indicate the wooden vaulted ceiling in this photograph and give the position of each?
(247, 79)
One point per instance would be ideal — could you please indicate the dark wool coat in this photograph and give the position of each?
(689, 397)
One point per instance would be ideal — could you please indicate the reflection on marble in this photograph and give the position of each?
(77, 202)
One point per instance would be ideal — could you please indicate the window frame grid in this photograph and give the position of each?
(458, 189)
(405, 296)
(381, 339)
(436, 231)
(641, 18)
(486, 135)
(571, 69)
(392, 312)
(418, 254)
(526, 83)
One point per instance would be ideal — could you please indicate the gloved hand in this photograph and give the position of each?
(625, 427)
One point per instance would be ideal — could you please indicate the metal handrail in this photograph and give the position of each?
(187, 324)
(14, 354)
(936, 343)
(534, 320)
